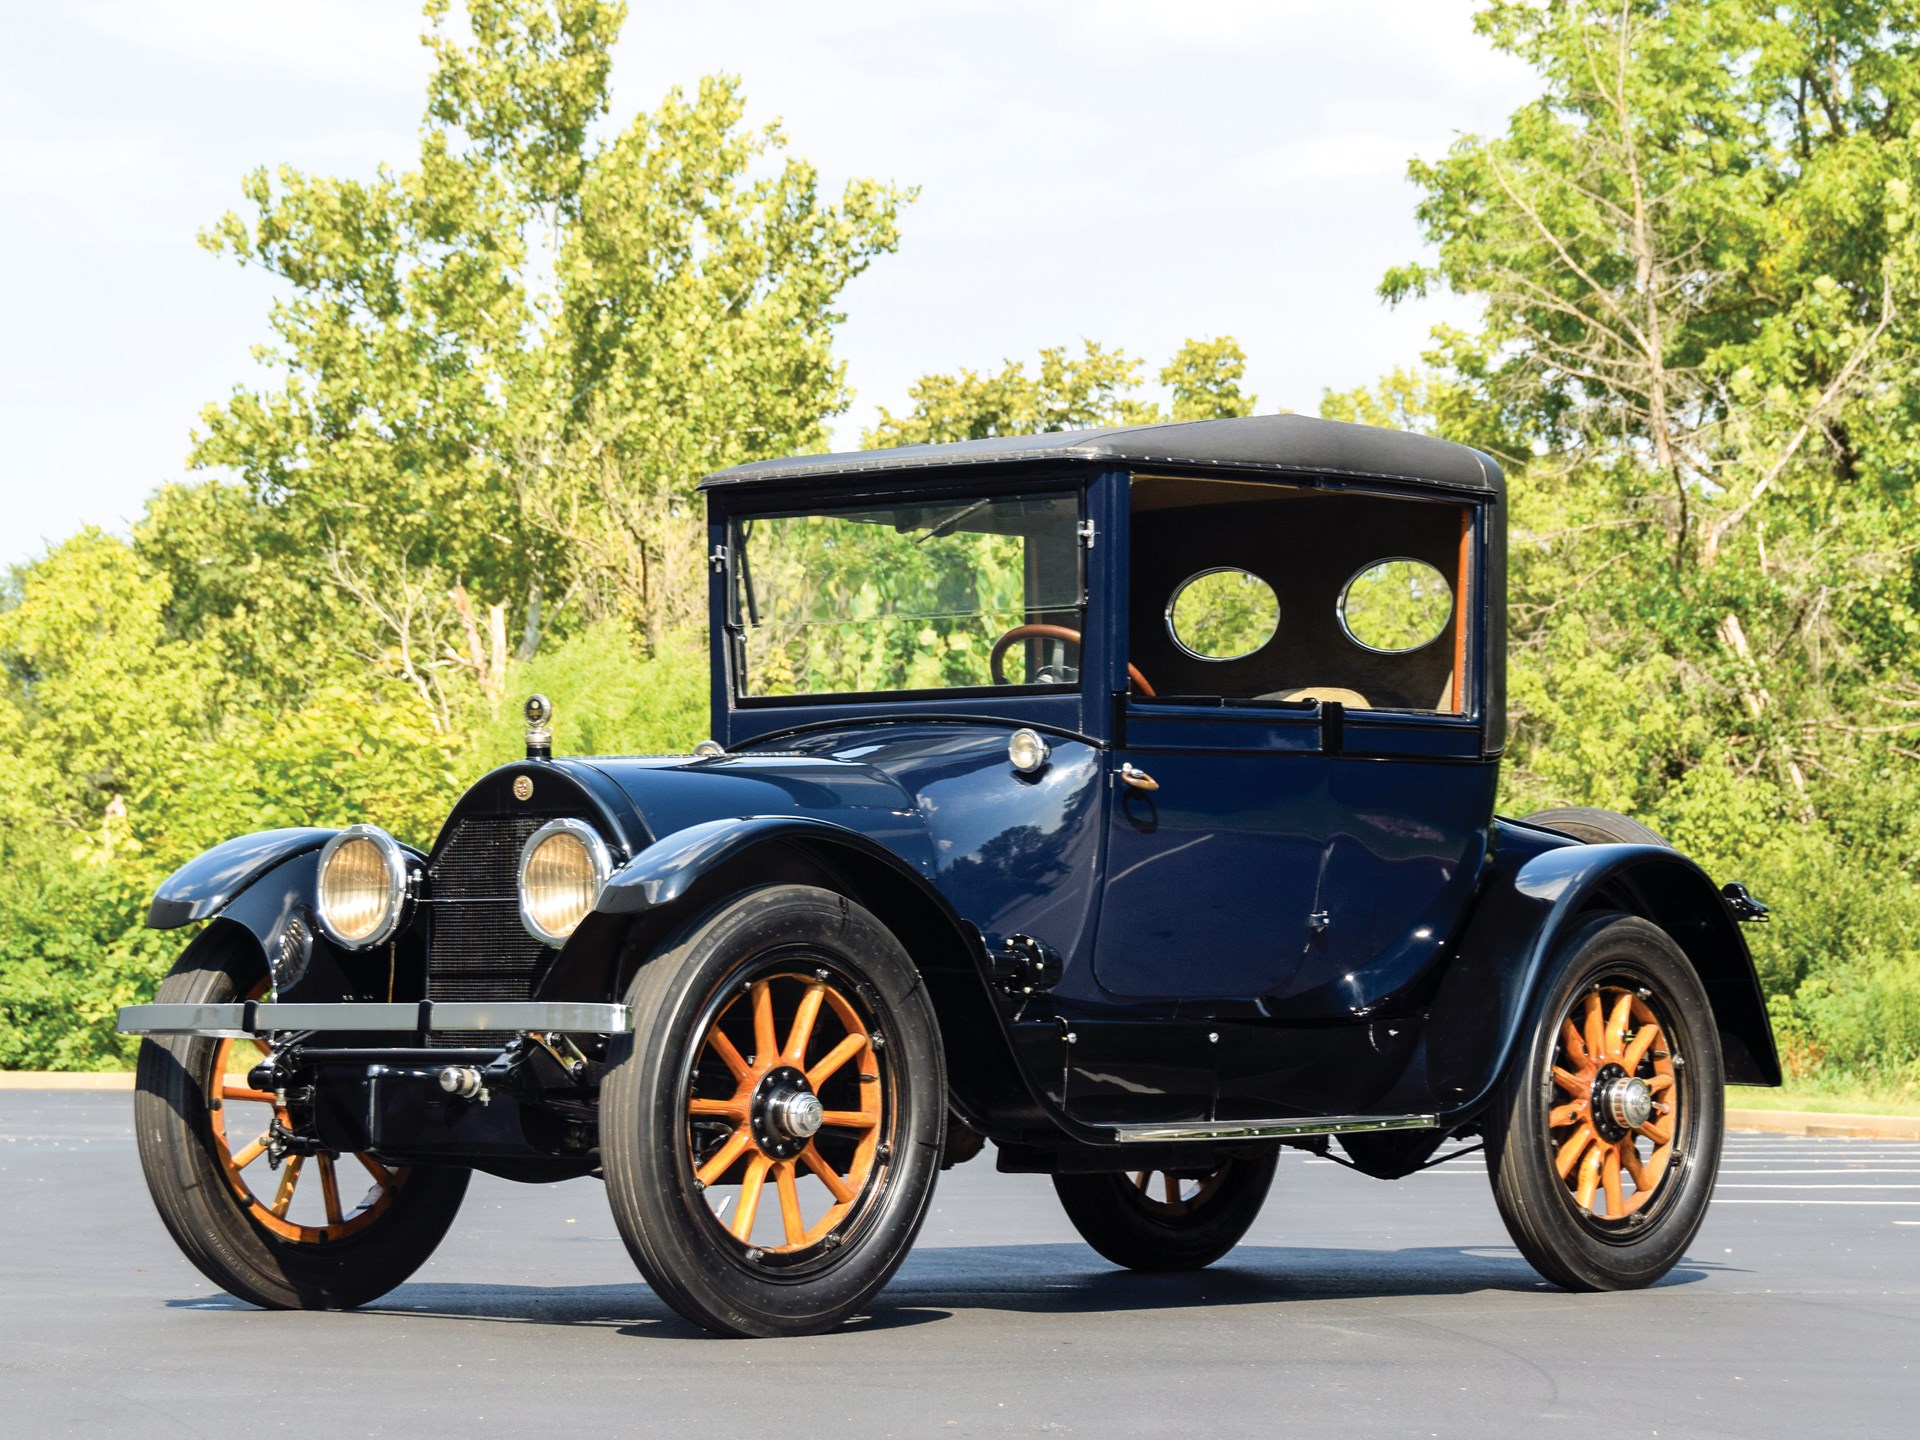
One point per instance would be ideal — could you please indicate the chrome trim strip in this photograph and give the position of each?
(254, 1018)
(1272, 1129)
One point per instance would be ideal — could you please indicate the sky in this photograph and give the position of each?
(1128, 171)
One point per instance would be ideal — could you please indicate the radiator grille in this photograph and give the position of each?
(481, 951)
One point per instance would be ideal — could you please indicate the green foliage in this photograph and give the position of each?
(1098, 388)
(1696, 254)
(1224, 614)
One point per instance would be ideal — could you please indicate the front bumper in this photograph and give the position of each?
(262, 1017)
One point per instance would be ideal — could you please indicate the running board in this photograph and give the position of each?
(258, 1017)
(1271, 1129)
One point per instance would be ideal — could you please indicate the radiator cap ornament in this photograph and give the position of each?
(539, 713)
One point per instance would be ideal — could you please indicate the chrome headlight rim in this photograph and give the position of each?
(598, 855)
(393, 857)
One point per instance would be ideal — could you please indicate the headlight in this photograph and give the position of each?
(363, 884)
(563, 868)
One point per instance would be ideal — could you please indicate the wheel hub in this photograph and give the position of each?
(784, 1113)
(1621, 1103)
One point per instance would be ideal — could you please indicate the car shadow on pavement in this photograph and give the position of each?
(938, 1282)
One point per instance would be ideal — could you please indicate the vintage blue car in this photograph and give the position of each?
(1122, 797)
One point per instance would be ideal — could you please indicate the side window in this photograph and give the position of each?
(1252, 592)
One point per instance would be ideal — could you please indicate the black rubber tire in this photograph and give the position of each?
(1111, 1216)
(172, 1087)
(690, 1262)
(1596, 826)
(1565, 1246)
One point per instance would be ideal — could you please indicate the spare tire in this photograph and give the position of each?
(1596, 826)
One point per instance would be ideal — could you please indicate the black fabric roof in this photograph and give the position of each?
(1286, 444)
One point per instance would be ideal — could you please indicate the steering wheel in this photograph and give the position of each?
(996, 659)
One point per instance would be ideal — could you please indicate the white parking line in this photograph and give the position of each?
(1874, 1186)
(1749, 1200)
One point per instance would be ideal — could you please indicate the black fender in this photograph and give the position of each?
(1528, 905)
(262, 890)
(671, 883)
(209, 882)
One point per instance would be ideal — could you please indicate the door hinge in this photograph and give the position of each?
(718, 559)
(1086, 531)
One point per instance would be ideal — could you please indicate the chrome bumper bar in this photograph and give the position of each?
(261, 1017)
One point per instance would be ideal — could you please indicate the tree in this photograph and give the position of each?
(501, 371)
(1099, 387)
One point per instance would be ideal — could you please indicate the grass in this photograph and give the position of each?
(1824, 1099)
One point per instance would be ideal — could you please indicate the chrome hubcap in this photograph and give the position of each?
(1629, 1103)
(798, 1113)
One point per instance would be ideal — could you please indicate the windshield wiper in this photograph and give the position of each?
(947, 526)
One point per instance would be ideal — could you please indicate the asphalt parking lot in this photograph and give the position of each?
(1355, 1307)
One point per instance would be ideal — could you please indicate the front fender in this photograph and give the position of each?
(210, 882)
(1524, 911)
(665, 871)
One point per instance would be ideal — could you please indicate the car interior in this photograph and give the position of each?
(1249, 592)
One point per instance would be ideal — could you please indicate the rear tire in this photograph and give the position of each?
(182, 1107)
(1596, 826)
(1152, 1220)
(786, 1008)
(1593, 1200)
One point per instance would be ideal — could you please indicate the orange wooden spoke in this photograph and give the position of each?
(247, 1154)
(849, 1119)
(835, 1058)
(1139, 1179)
(1589, 1178)
(1657, 1165)
(1596, 1036)
(330, 1189)
(829, 1177)
(1171, 1187)
(750, 1190)
(1641, 1176)
(1617, 1025)
(791, 1220)
(1657, 1132)
(764, 1044)
(1576, 1046)
(1658, 1083)
(1571, 1083)
(289, 1177)
(1573, 1149)
(241, 1092)
(737, 1145)
(1642, 1042)
(260, 1045)
(382, 1176)
(1610, 1178)
(802, 1031)
(729, 1053)
(731, 1109)
(1566, 1114)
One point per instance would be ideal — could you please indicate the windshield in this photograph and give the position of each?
(911, 596)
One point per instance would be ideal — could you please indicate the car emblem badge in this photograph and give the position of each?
(523, 787)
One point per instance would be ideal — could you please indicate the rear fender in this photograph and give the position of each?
(1487, 996)
(673, 882)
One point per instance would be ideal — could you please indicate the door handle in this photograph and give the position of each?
(1138, 779)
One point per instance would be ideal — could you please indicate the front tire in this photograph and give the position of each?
(1605, 1134)
(304, 1238)
(772, 1127)
(1158, 1220)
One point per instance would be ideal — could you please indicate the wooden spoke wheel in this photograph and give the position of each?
(1605, 1134)
(1613, 1132)
(319, 1231)
(242, 1125)
(772, 1127)
(1168, 1220)
(790, 1095)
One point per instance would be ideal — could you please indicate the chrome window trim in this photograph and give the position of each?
(395, 859)
(1340, 605)
(1181, 589)
(597, 853)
